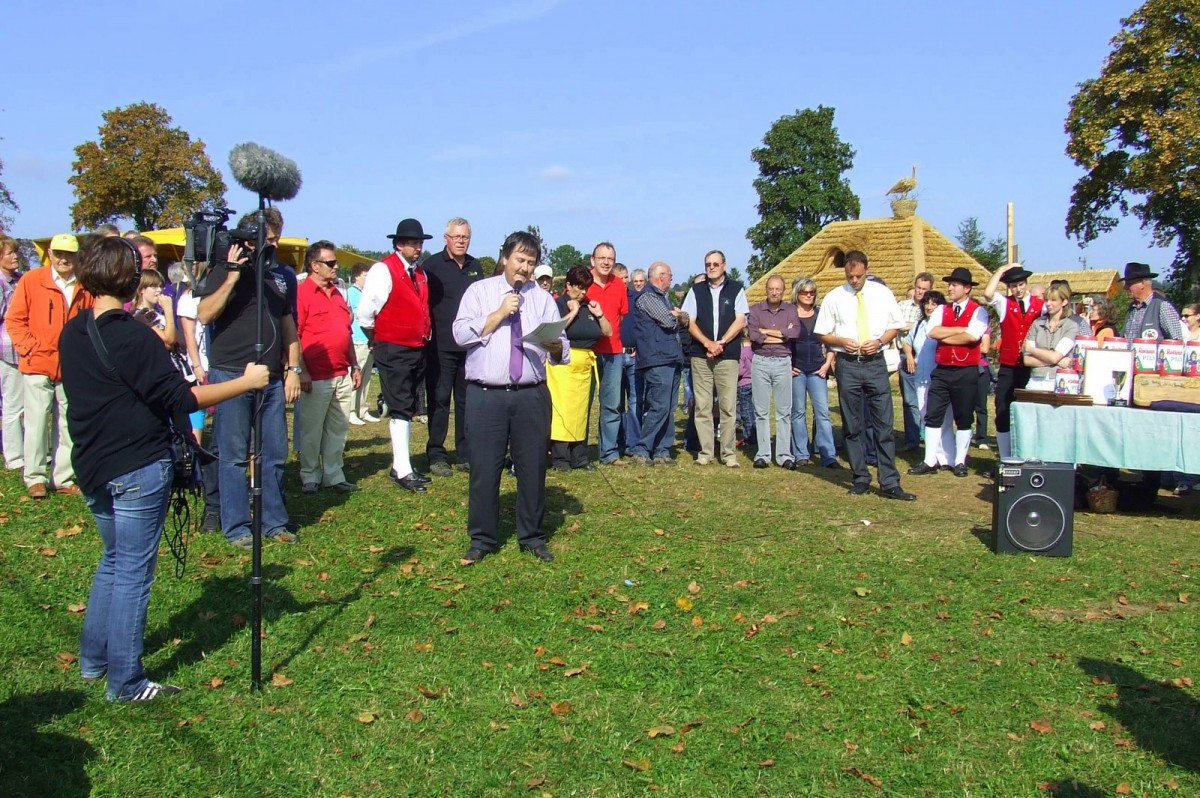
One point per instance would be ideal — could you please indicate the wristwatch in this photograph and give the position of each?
(296, 369)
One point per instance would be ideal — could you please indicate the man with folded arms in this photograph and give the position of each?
(659, 363)
(774, 326)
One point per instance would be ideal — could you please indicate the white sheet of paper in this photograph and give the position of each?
(546, 331)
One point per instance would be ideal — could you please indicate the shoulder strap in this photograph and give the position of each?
(101, 349)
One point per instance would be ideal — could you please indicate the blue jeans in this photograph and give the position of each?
(631, 421)
(745, 412)
(129, 513)
(611, 369)
(816, 390)
(233, 440)
(912, 416)
(660, 385)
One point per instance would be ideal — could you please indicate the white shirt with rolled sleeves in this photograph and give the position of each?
(839, 312)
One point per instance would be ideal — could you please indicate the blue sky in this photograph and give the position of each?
(626, 121)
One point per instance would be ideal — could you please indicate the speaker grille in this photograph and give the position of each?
(1036, 522)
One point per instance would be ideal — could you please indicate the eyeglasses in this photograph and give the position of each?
(714, 265)
(458, 238)
(808, 293)
(333, 264)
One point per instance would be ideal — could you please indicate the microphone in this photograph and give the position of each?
(518, 284)
(263, 171)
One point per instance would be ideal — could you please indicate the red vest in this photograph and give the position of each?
(957, 354)
(404, 319)
(1015, 327)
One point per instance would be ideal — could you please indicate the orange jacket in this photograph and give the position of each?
(36, 317)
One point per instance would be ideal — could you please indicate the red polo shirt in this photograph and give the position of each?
(323, 324)
(614, 301)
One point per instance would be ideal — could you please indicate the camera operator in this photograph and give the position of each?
(227, 305)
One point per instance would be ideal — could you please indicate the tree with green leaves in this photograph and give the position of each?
(141, 168)
(8, 205)
(991, 254)
(564, 256)
(536, 232)
(801, 185)
(1136, 131)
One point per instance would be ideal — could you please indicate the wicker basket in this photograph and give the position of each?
(903, 208)
(1102, 499)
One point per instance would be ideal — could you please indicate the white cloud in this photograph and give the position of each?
(556, 173)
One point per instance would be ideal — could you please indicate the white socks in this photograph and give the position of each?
(962, 442)
(399, 429)
(1004, 444)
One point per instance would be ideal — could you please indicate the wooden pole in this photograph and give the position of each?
(1012, 245)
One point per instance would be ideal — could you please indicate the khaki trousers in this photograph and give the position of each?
(710, 374)
(12, 389)
(324, 420)
(46, 430)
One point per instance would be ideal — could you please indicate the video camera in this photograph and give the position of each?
(208, 237)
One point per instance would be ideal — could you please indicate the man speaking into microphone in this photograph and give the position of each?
(507, 398)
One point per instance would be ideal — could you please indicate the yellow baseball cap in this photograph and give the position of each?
(65, 242)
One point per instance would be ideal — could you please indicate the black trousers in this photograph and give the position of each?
(399, 377)
(867, 379)
(445, 377)
(952, 388)
(1008, 379)
(515, 422)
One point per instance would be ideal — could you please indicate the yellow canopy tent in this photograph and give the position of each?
(170, 243)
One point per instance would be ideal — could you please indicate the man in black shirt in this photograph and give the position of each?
(228, 306)
(450, 272)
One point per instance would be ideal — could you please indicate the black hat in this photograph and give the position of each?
(1138, 271)
(1017, 275)
(961, 274)
(410, 228)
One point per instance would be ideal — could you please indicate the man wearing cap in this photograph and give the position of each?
(954, 384)
(394, 313)
(609, 291)
(1150, 315)
(449, 272)
(857, 320)
(44, 300)
(543, 275)
(229, 305)
(1016, 313)
(507, 395)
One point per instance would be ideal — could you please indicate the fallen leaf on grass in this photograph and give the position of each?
(679, 747)
(560, 708)
(684, 603)
(1041, 726)
(697, 620)
(595, 627)
(366, 717)
(693, 724)
(640, 765)
(905, 639)
(416, 716)
(660, 624)
(660, 731)
(693, 588)
(861, 592)
(538, 782)
(214, 682)
(516, 701)
(576, 671)
(767, 763)
(429, 693)
(867, 777)
(279, 680)
(48, 552)
(76, 608)
(69, 532)
(638, 607)
(66, 657)
(1097, 725)
(323, 576)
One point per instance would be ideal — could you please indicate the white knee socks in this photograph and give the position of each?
(399, 429)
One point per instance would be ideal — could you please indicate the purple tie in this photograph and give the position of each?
(516, 357)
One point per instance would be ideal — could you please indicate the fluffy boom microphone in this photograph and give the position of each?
(264, 171)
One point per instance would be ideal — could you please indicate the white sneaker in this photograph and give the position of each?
(368, 418)
(356, 421)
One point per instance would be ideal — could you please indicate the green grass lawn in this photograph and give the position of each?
(703, 632)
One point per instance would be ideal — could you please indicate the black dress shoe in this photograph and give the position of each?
(789, 464)
(473, 556)
(859, 488)
(834, 464)
(960, 470)
(585, 467)
(411, 482)
(424, 479)
(761, 464)
(898, 493)
(541, 552)
(922, 468)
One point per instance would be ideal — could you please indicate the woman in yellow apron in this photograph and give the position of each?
(571, 385)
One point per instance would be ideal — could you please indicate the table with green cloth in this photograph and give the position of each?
(1117, 437)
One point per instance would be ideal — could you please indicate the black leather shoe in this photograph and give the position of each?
(761, 464)
(410, 483)
(898, 493)
(541, 552)
(834, 464)
(440, 469)
(922, 468)
(960, 470)
(789, 464)
(859, 488)
(425, 479)
(472, 556)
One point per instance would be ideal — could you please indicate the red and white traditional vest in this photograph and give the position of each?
(1015, 327)
(404, 319)
(958, 354)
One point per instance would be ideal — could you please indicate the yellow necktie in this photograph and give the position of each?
(864, 331)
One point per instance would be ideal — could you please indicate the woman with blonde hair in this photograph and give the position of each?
(812, 363)
(1051, 338)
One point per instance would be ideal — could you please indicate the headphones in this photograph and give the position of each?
(136, 280)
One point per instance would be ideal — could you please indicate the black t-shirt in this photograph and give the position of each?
(584, 330)
(116, 430)
(231, 335)
(447, 284)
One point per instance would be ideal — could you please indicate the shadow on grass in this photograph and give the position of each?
(38, 763)
(1072, 788)
(1161, 718)
(223, 609)
(559, 505)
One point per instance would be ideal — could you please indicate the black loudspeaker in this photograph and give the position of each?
(1034, 508)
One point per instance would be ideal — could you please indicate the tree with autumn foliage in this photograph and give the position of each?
(1136, 130)
(143, 169)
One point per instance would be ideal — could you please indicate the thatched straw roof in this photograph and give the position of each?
(1094, 281)
(898, 250)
